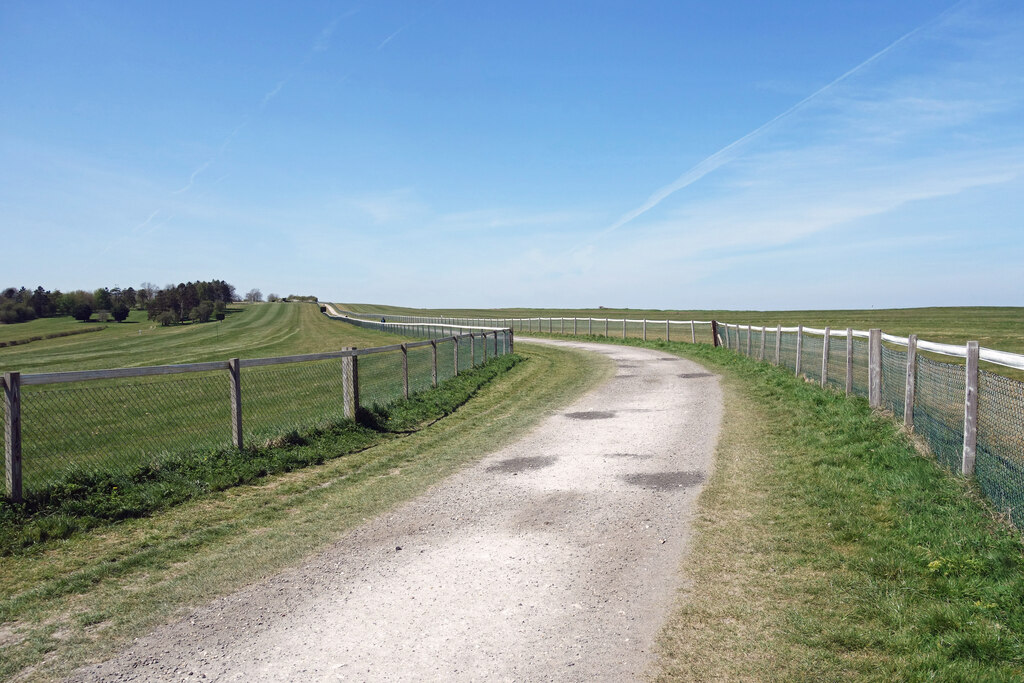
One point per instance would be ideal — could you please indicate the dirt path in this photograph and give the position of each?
(555, 558)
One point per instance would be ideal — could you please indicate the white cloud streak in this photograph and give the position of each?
(735, 148)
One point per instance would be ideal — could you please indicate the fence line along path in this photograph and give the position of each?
(971, 417)
(61, 424)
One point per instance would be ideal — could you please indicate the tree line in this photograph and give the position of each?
(194, 301)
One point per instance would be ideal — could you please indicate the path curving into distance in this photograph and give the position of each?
(554, 558)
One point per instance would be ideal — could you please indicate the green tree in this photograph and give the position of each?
(82, 311)
(120, 311)
(101, 299)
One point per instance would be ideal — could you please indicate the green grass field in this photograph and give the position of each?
(249, 331)
(113, 425)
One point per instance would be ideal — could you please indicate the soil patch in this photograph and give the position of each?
(592, 415)
(517, 465)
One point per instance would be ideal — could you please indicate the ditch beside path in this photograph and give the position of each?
(554, 558)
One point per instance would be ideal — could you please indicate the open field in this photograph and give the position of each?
(80, 600)
(249, 331)
(74, 430)
(995, 327)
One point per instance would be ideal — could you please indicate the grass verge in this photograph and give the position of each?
(828, 548)
(88, 498)
(71, 602)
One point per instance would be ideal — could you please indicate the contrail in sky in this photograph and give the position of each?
(731, 151)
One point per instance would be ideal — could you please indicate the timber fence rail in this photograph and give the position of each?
(971, 417)
(124, 419)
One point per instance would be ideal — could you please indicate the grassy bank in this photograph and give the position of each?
(79, 600)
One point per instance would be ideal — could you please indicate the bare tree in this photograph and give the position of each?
(253, 296)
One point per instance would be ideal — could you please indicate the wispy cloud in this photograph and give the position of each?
(735, 148)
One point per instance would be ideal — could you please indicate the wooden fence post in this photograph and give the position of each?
(350, 384)
(728, 338)
(574, 327)
(235, 374)
(970, 411)
(799, 348)
(606, 327)
(472, 349)
(645, 327)
(875, 368)
(668, 335)
(908, 396)
(511, 342)
(561, 326)
(826, 347)
(433, 362)
(12, 434)
(749, 342)
(623, 328)
(455, 348)
(778, 344)
(405, 371)
(763, 335)
(714, 332)
(590, 326)
(849, 360)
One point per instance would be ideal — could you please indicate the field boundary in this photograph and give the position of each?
(474, 344)
(971, 418)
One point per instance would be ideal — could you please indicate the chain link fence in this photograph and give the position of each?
(61, 426)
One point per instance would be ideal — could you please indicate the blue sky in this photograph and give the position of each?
(743, 155)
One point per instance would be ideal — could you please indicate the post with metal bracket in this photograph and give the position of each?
(433, 363)
(799, 347)
(849, 361)
(911, 387)
(350, 384)
(405, 371)
(236, 402)
(875, 368)
(12, 434)
(826, 346)
(970, 411)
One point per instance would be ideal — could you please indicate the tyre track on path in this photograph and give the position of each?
(554, 558)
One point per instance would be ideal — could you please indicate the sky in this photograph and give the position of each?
(796, 154)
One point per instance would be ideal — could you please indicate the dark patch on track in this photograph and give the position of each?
(524, 464)
(664, 481)
(670, 358)
(635, 456)
(592, 415)
(695, 375)
(626, 375)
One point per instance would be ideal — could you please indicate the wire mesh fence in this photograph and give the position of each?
(940, 388)
(121, 421)
(894, 379)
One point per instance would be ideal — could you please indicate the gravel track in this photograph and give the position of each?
(554, 558)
